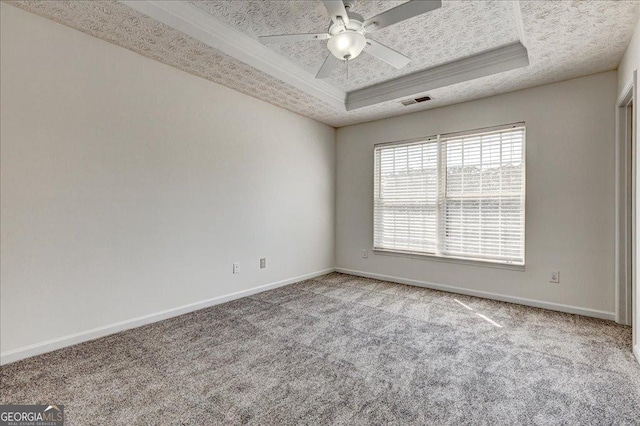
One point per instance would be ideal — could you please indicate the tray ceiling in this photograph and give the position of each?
(456, 30)
(565, 39)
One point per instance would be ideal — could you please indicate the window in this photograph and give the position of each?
(459, 195)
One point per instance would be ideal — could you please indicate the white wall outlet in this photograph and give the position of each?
(365, 253)
(236, 267)
(263, 263)
(554, 276)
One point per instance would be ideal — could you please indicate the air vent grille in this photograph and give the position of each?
(412, 101)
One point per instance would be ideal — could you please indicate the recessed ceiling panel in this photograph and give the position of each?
(456, 30)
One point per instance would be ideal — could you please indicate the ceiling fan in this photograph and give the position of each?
(346, 34)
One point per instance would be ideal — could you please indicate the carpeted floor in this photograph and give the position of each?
(345, 350)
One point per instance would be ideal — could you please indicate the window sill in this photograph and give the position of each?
(458, 260)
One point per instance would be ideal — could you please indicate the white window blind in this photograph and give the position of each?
(458, 195)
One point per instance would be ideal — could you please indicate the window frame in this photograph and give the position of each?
(440, 205)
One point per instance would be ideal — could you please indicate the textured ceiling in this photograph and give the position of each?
(456, 30)
(565, 39)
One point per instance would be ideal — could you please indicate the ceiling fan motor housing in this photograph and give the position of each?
(347, 41)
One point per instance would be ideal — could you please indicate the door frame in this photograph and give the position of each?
(626, 161)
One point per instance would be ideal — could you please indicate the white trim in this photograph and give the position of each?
(504, 58)
(94, 333)
(517, 13)
(450, 259)
(624, 95)
(494, 296)
(622, 193)
(190, 20)
(636, 352)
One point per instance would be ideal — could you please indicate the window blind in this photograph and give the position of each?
(457, 195)
(406, 201)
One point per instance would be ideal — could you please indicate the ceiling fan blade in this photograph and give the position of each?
(386, 54)
(328, 66)
(400, 13)
(292, 37)
(337, 10)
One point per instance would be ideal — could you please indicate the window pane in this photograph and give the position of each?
(405, 205)
(483, 208)
(457, 196)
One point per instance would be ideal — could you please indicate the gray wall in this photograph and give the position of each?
(129, 187)
(570, 193)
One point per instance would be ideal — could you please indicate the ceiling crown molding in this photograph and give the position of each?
(504, 58)
(197, 24)
(203, 27)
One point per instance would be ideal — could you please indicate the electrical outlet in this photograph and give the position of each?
(263, 263)
(236, 267)
(365, 254)
(554, 277)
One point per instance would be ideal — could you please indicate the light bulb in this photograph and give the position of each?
(347, 45)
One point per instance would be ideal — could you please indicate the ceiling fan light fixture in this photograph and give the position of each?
(347, 45)
(346, 31)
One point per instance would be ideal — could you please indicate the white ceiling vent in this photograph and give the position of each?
(412, 101)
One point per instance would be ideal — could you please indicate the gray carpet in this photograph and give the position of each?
(345, 350)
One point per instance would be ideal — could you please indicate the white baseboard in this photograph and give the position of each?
(636, 352)
(62, 342)
(503, 298)
(94, 333)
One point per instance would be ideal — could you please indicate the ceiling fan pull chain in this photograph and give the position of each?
(346, 59)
